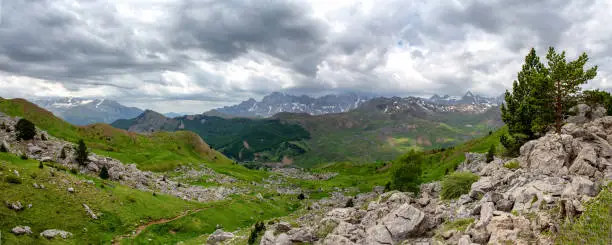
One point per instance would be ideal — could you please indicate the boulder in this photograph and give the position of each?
(52, 233)
(219, 236)
(403, 221)
(283, 239)
(486, 214)
(301, 235)
(17, 206)
(283, 227)
(546, 155)
(34, 149)
(70, 189)
(5, 145)
(580, 186)
(345, 214)
(20, 230)
(378, 235)
(268, 238)
(337, 240)
(464, 240)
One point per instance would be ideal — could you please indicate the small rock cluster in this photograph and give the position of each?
(297, 173)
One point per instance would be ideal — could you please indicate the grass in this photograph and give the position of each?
(231, 215)
(158, 152)
(512, 164)
(121, 208)
(594, 225)
(457, 184)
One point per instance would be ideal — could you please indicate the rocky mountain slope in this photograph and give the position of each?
(80, 111)
(467, 98)
(526, 200)
(280, 102)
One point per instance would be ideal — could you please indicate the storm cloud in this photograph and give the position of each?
(194, 55)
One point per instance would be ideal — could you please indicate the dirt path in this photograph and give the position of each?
(117, 240)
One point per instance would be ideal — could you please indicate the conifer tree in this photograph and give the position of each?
(81, 153)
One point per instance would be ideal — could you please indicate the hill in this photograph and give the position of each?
(156, 151)
(240, 138)
(384, 128)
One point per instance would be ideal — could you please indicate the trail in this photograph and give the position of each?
(117, 240)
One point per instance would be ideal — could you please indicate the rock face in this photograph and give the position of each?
(52, 233)
(557, 173)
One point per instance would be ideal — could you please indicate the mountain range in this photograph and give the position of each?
(467, 98)
(81, 111)
(281, 102)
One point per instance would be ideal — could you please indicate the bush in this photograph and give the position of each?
(104, 173)
(257, 230)
(512, 164)
(2, 148)
(24, 156)
(457, 184)
(513, 143)
(26, 130)
(491, 154)
(81, 153)
(13, 179)
(63, 153)
(40, 165)
(408, 176)
(349, 203)
(73, 170)
(301, 196)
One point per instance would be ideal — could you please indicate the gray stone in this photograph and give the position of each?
(464, 240)
(20, 230)
(17, 206)
(70, 189)
(219, 236)
(403, 221)
(378, 235)
(337, 240)
(283, 227)
(486, 214)
(52, 233)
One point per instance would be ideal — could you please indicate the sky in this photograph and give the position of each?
(195, 55)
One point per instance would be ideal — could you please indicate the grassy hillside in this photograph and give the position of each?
(120, 208)
(158, 151)
(242, 139)
(368, 136)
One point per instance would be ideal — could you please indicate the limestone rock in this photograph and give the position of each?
(378, 235)
(403, 221)
(20, 230)
(219, 236)
(52, 233)
(88, 210)
(337, 240)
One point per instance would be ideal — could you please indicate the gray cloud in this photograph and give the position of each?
(210, 52)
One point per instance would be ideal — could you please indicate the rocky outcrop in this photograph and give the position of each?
(557, 173)
(52, 233)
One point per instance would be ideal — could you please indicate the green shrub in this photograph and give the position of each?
(104, 173)
(40, 165)
(24, 156)
(513, 143)
(457, 184)
(301, 196)
(13, 179)
(349, 203)
(257, 231)
(26, 130)
(81, 153)
(491, 154)
(408, 176)
(512, 164)
(2, 148)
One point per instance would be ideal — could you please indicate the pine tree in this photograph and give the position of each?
(81, 153)
(567, 78)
